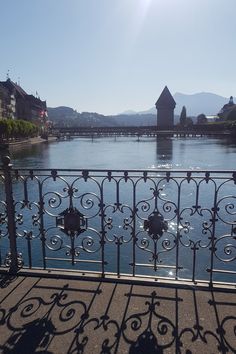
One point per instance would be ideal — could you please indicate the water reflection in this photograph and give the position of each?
(34, 156)
(126, 153)
(228, 143)
(164, 149)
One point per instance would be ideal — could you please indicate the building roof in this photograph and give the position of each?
(165, 100)
(36, 102)
(227, 108)
(13, 87)
(230, 104)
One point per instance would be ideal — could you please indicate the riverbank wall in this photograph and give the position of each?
(29, 141)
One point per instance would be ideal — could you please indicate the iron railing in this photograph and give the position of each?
(153, 223)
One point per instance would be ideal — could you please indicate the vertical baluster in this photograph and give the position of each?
(41, 227)
(10, 208)
(118, 243)
(213, 238)
(29, 238)
(194, 249)
(177, 235)
(134, 230)
(102, 214)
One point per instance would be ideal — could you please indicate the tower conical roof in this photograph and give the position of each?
(165, 100)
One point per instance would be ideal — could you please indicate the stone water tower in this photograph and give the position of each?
(165, 106)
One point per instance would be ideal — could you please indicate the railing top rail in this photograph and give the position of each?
(106, 170)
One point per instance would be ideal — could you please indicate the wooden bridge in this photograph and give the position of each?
(148, 131)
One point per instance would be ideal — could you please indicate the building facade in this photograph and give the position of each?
(165, 106)
(17, 104)
(5, 103)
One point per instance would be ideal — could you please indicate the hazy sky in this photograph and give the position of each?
(109, 56)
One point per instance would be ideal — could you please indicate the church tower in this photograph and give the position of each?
(165, 106)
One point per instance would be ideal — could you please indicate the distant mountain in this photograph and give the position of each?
(129, 112)
(61, 112)
(203, 102)
(66, 116)
(207, 103)
(135, 119)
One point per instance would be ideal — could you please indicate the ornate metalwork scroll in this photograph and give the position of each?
(174, 224)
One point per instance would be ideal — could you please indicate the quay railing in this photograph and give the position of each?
(154, 224)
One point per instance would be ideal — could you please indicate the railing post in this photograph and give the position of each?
(12, 257)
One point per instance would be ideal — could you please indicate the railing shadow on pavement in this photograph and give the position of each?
(70, 316)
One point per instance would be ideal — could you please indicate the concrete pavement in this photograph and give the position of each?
(49, 315)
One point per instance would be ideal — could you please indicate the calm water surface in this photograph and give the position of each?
(128, 153)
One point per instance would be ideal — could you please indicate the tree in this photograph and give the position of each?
(201, 119)
(232, 115)
(183, 117)
(10, 128)
(189, 121)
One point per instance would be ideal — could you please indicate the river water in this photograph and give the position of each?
(128, 153)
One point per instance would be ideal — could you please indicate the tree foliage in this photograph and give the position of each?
(201, 119)
(232, 115)
(189, 122)
(183, 117)
(10, 128)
